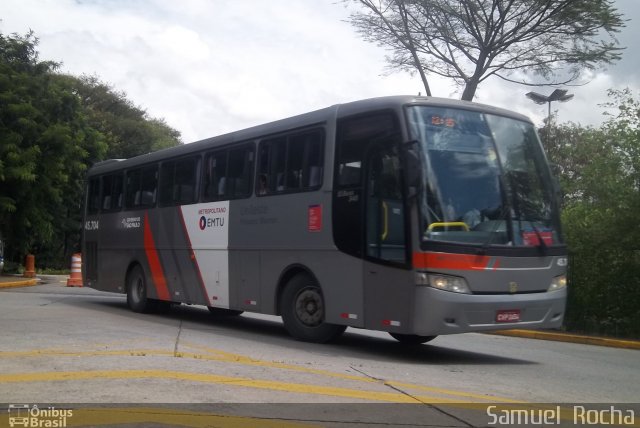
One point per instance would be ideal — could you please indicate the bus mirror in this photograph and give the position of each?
(412, 162)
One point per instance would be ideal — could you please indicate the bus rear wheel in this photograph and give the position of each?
(303, 311)
(412, 339)
(137, 299)
(137, 291)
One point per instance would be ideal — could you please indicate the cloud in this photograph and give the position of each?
(213, 66)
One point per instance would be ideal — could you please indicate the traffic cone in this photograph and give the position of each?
(30, 266)
(75, 280)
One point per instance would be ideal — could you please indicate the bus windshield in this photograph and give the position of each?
(485, 179)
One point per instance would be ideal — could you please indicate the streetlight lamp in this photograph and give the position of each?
(557, 95)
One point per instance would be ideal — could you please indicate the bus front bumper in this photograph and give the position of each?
(438, 312)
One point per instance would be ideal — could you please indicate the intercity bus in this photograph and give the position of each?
(417, 216)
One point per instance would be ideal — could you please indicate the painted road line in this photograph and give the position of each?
(294, 388)
(170, 416)
(289, 387)
(227, 357)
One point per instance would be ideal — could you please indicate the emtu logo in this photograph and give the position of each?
(211, 222)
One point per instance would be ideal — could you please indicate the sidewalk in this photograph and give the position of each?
(16, 281)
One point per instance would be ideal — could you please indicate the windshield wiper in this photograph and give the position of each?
(542, 245)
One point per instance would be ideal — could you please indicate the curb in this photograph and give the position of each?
(570, 338)
(18, 283)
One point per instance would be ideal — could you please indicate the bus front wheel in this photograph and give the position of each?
(303, 311)
(412, 339)
(137, 291)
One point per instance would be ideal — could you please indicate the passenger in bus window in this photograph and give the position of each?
(262, 184)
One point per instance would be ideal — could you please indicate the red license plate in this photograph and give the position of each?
(508, 316)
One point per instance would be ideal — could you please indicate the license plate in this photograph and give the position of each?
(508, 316)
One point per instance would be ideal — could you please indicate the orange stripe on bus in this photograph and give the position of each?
(450, 261)
(157, 274)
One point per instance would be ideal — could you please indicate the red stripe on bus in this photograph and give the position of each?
(157, 274)
(450, 261)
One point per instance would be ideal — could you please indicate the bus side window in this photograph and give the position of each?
(142, 185)
(215, 182)
(304, 160)
(178, 182)
(112, 192)
(166, 183)
(292, 163)
(228, 173)
(313, 161)
(93, 197)
(240, 172)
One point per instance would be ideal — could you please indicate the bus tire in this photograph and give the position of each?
(412, 339)
(222, 312)
(303, 311)
(137, 299)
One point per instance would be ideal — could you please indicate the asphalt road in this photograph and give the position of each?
(85, 348)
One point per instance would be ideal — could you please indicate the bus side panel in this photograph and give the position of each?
(179, 267)
(118, 240)
(342, 285)
(339, 276)
(205, 228)
(244, 277)
(293, 231)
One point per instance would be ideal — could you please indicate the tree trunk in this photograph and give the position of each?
(469, 90)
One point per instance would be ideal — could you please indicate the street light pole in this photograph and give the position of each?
(557, 95)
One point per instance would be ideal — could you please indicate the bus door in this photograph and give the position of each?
(388, 284)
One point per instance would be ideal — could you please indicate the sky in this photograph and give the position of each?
(208, 67)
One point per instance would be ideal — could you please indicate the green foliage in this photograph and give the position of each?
(52, 129)
(127, 128)
(600, 177)
(46, 144)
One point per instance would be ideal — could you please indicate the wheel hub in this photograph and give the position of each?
(309, 307)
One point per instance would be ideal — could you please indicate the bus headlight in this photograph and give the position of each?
(455, 284)
(558, 283)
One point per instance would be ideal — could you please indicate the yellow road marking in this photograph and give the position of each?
(223, 356)
(209, 378)
(241, 359)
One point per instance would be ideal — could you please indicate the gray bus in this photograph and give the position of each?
(417, 216)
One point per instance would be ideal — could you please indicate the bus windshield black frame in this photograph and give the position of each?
(485, 180)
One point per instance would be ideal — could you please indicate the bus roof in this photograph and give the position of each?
(300, 121)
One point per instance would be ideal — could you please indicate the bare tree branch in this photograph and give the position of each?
(469, 41)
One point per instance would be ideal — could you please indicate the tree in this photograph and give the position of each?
(600, 177)
(128, 129)
(45, 147)
(470, 41)
(53, 127)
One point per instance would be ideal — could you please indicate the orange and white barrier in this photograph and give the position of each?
(29, 266)
(75, 280)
